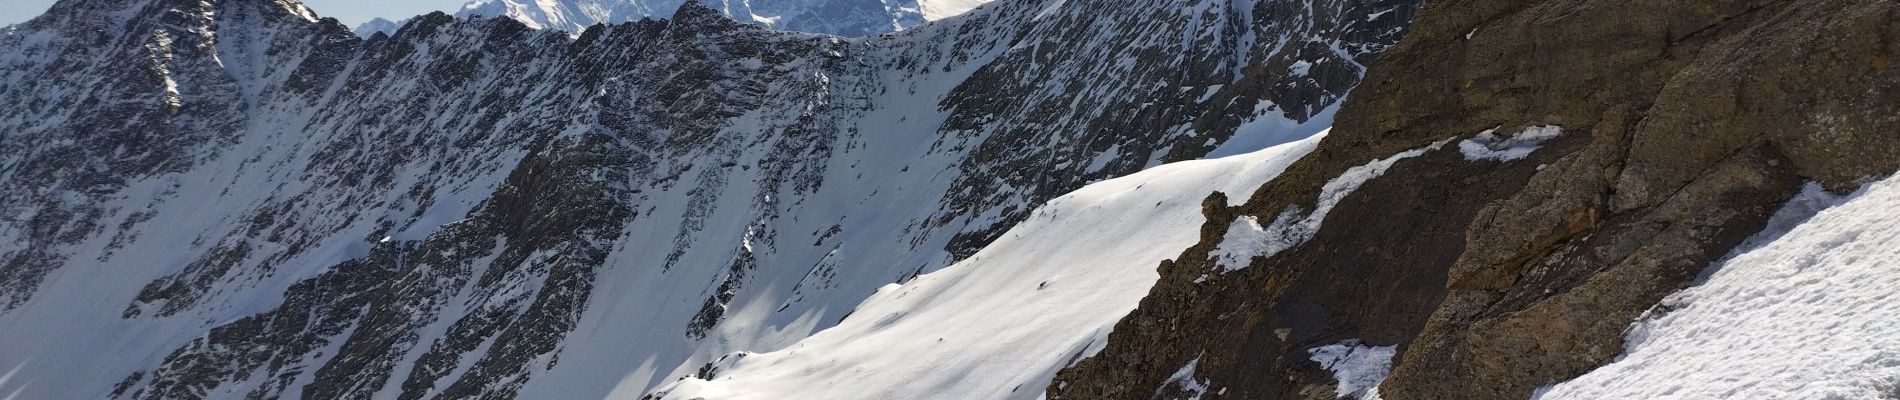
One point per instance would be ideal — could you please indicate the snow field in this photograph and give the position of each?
(1002, 323)
(1807, 310)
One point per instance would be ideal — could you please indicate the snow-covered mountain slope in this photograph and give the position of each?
(1001, 323)
(236, 198)
(1806, 310)
(839, 17)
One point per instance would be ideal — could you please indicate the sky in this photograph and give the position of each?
(351, 12)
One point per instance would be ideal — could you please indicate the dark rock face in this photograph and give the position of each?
(1685, 126)
(103, 144)
(270, 206)
(1177, 93)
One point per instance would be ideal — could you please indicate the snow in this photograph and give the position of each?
(1375, 16)
(939, 9)
(1270, 127)
(160, 55)
(1051, 9)
(1000, 324)
(1300, 68)
(1102, 160)
(1246, 239)
(1804, 310)
(1488, 145)
(1356, 367)
(1209, 92)
(1184, 379)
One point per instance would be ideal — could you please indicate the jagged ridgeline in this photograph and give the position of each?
(239, 199)
(839, 17)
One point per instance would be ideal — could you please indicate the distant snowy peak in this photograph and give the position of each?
(572, 16)
(379, 25)
(839, 17)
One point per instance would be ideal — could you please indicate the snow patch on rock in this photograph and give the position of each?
(1357, 367)
(1488, 146)
(1246, 239)
(1184, 379)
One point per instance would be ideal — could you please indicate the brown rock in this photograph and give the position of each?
(1686, 125)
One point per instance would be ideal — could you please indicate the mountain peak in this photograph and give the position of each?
(107, 19)
(694, 13)
(379, 25)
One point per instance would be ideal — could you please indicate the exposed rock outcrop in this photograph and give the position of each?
(1685, 125)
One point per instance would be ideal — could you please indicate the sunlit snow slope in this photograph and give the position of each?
(939, 9)
(1808, 310)
(1000, 324)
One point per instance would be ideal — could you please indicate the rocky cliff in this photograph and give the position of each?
(1513, 186)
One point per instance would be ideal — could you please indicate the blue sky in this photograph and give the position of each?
(351, 12)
